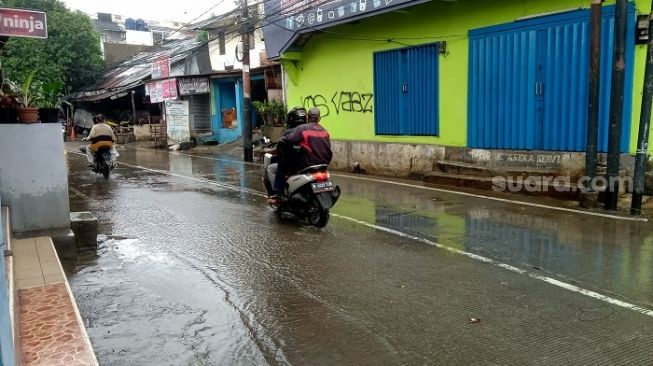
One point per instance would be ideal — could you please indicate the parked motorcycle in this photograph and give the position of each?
(103, 162)
(309, 194)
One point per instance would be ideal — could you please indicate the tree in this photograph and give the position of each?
(71, 53)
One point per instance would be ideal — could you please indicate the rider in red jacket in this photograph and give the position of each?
(313, 140)
(304, 145)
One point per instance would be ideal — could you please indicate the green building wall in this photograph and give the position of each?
(334, 70)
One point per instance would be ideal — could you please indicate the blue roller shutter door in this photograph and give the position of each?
(528, 83)
(406, 91)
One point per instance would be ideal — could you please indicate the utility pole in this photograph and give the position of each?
(133, 107)
(616, 105)
(641, 157)
(247, 123)
(594, 90)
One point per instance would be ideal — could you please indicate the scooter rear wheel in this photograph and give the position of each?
(317, 215)
(106, 170)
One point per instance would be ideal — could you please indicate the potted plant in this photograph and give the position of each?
(29, 94)
(8, 103)
(278, 111)
(262, 109)
(51, 102)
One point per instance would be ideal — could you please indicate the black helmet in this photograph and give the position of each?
(296, 117)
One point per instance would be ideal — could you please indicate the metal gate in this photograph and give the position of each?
(200, 112)
(406, 91)
(528, 83)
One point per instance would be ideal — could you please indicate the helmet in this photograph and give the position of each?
(296, 117)
(314, 115)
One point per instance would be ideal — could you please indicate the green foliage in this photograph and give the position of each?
(71, 54)
(261, 107)
(52, 95)
(30, 92)
(8, 97)
(48, 6)
(273, 108)
(270, 110)
(203, 36)
(277, 109)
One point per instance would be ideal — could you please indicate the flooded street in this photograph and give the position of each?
(193, 268)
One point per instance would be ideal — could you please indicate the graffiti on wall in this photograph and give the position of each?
(339, 102)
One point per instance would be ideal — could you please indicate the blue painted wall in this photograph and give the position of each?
(227, 94)
(7, 356)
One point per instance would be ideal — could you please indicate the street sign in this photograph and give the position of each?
(23, 23)
(193, 85)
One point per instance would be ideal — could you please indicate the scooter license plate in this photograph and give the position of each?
(322, 187)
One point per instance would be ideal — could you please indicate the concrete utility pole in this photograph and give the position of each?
(247, 123)
(616, 105)
(644, 125)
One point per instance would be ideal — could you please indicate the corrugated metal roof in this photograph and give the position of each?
(135, 71)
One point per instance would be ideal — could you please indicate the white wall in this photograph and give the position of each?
(141, 38)
(34, 176)
(218, 62)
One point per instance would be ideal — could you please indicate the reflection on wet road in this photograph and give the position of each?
(193, 269)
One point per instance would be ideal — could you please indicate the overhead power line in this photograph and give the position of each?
(272, 17)
(196, 18)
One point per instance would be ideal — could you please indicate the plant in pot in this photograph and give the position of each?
(262, 109)
(51, 101)
(278, 112)
(29, 95)
(8, 103)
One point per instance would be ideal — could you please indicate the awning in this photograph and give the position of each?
(98, 95)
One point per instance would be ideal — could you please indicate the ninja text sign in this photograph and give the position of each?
(23, 23)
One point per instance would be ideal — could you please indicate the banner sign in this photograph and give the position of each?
(161, 91)
(23, 23)
(294, 17)
(193, 85)
(178, 121)
(161, 67)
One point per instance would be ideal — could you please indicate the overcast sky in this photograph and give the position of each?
(184, 11)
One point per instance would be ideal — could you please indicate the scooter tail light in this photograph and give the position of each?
(320, 176)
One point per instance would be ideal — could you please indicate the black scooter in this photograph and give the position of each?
(103, 164)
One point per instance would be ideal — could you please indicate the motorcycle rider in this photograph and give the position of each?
(305, 144)
(101, 135)
(314, 115)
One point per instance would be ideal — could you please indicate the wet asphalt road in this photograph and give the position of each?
(194, 269)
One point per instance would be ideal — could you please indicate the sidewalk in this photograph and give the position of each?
(48, 328)
(51, 329)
